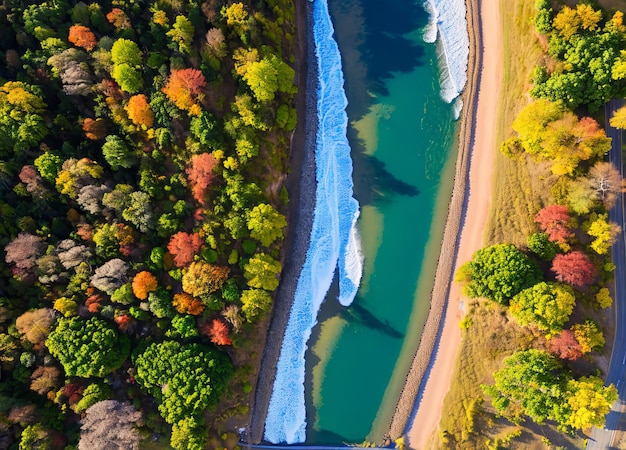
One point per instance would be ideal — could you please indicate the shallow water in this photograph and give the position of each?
(401, 136)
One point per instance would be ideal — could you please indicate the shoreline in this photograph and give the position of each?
(300, 183)
(443, 309)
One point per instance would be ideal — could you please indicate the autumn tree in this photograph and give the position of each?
(261, 271)
(201, 279)
(604, 232)
(139, 111)
(201, 173)
(565, 346)
(618, 120)
(218, 331)
(45, 379)
(183, 247)
(555, 221)
(255, 303)
(546, 305)
(36, 324)
(118, 19)
(185, 89)
(187, 304)
(546, 132)
(498, 272)
(110, 424)
(87, 348)
(95, 129)
(589, 336)
(82, 36)
(266, 224)
(589, 401)
(21, 123)
(143, 283)
(574, 268)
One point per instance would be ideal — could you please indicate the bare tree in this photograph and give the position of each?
(110, 276)
(90, 197)
(35, 325)
(45, 379)
(607, 181)
(71, 254)
(24, 250)
(110, 425)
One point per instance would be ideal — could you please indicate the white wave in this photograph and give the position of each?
(333, 242)
(429, 34)
(452, 45)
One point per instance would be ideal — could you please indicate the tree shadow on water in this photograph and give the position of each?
(357, 313)
(375, 44)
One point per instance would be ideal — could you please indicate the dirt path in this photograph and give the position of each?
(482, 148)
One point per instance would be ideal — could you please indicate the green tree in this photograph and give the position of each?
(181, 34)
(129, 78)
(87, 348)
(125, 51)
(256, 302)
(530, 383)
(117, 153)
(139, 211)
(589, 335)
(498, 273)
(262, 271)
(21, 123)
(188, 434)
(266, 224)
(184, 378)
(546, 305)
(35, 437)
(48, 164)
(540, 244)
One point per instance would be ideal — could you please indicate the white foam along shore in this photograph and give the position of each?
(334, 240)
(448, 28)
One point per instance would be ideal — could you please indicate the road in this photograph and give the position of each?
(603, 438)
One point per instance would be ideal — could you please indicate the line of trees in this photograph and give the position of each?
(566, 262)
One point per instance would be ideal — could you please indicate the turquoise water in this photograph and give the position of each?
(401, 136)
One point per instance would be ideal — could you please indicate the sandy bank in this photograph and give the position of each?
(430, 375)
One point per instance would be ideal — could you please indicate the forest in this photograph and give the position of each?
(547, 294)
(143, 152)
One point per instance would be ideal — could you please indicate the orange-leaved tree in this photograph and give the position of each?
(187, 304)
(185, 89)
(200, 174)
(143, 283)
(81, 36)
(95, 129)
(139, 111)
(201, 279)
(183, 246)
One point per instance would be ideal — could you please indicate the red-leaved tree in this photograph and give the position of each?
(574, 268)
(200, 175)
(555, 221)
(185, 88)
(218, 330)
(183, 246)
(82, 36)
(565, 346)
